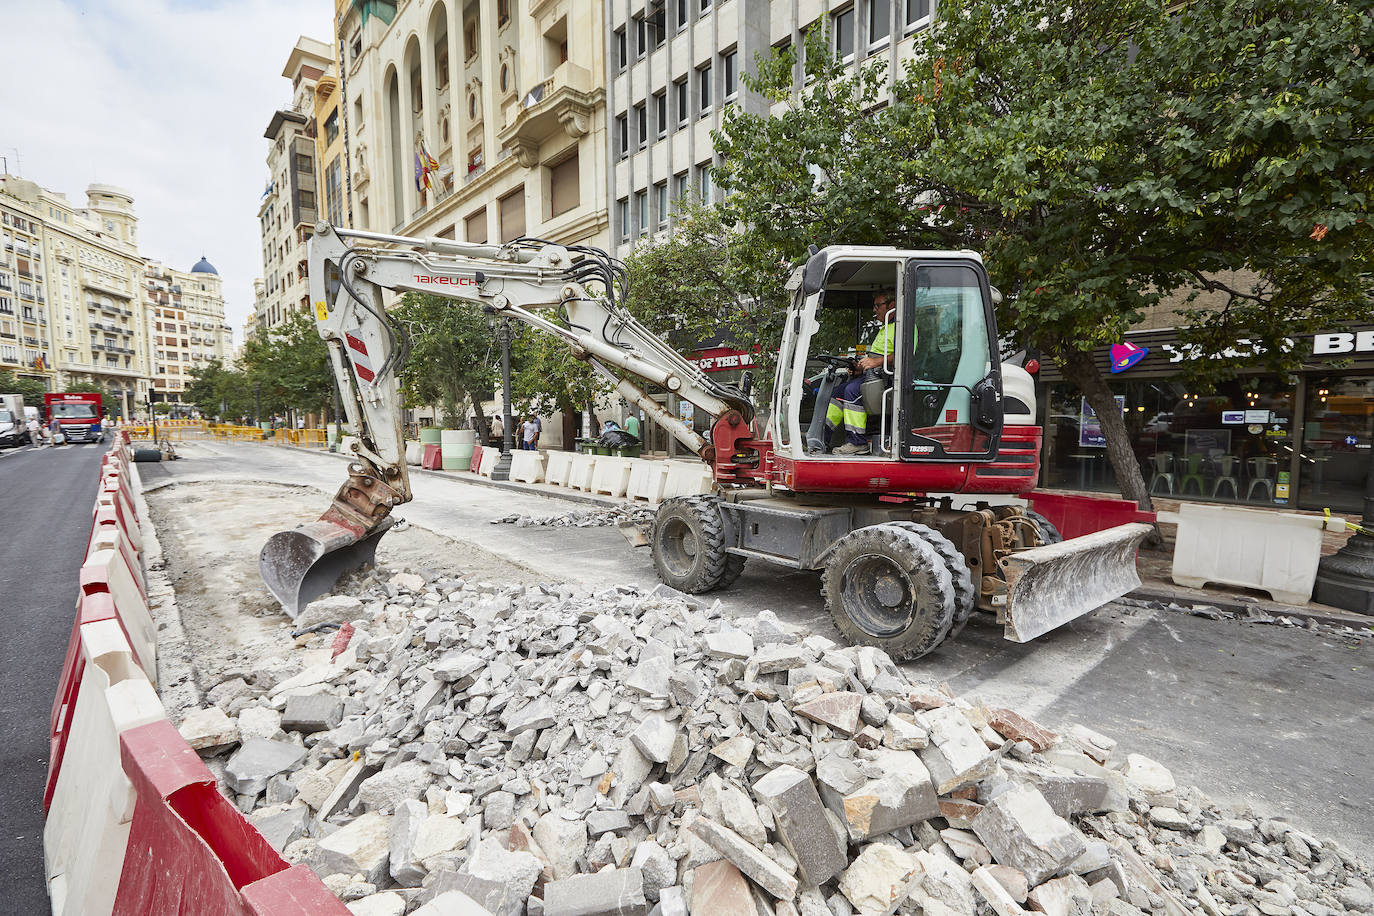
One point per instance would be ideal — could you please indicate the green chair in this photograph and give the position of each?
(1164, 472)
(1192, 473)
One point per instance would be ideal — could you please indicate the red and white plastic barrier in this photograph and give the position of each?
(191, 852)
(135, 822)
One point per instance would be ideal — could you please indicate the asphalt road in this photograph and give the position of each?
(49, 494)
(1255, 715)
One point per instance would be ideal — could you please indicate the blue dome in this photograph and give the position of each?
(204, 267)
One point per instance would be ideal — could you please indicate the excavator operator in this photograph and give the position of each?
(847, 406)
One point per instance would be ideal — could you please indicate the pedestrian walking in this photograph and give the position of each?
(529, 431)
(55, 432)
(35, 433)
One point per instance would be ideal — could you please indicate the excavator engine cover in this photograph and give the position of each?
(300, 565)
(1051, 585)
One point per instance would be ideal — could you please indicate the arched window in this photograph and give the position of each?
(505, 78)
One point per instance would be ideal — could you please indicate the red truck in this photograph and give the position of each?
(79, 415)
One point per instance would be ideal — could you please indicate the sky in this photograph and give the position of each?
(167, 99)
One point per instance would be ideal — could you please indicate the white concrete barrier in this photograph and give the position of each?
(527, 467)
(1275, 552)
(87, 826)
(580, 473)
(487, 464)
(647, 479)
(557, 468)
(687, 478)
(611, 476)
(415, 453)
(133, 610)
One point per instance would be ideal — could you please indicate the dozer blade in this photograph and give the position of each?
(299, 566)
(1051, 585)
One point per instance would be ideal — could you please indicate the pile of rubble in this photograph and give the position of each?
(585, 518)
(459, 748)
(1253, 613)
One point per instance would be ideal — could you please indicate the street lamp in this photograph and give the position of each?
(502, 328)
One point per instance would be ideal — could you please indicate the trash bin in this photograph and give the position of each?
(629, 451)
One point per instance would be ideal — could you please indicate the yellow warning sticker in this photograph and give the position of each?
(321, 312)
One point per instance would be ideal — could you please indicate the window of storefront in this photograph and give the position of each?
(1338, 426)
(1232, 443)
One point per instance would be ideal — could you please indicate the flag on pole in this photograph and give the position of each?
(419, 173)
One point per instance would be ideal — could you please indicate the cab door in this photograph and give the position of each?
(951, 385)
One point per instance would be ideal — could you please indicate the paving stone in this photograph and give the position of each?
(801, 823)
(1021, 830)
(452, 903)
(995, 894)
(736, 751)
(1016, 727)
(839, 710)
(956, 756)
(517, 871)
(330, 609)
(311, 713)
(719, 888)
(257, 761)
(537, 714)
(613, 892)
(746, 857)
(387, 903)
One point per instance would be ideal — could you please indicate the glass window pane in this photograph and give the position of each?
(917, 11)
(879, 21)
(843, 34)
(1338, 425)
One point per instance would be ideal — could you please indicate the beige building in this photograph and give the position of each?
(331, 189)
(289, 208)
(25, 343)
(505, 102)
(84, 293)
(185, 319)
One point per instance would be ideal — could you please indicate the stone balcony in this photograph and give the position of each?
(565, 102)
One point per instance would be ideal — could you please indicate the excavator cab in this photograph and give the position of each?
(937, 395)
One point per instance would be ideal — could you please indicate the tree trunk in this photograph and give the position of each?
(1082, 370)
(595, 431)
(566, 410)
(483, 428)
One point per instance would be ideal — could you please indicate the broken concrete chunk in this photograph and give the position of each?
(613, 892)
(1066, 896)
(282, 829)
(735, 752)
(1154, 779)
(387, 789)
(801, 823)
(208, 729)
(536, 714)
(900, 796)
(1016, 727)
(878, 880)
(360, 847)
(1021, 830)
(404, 865)
(257, 761)
(655, 737)
(565, 841)
(995, 894)
(729, 644)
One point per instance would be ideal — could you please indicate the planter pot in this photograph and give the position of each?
(429, 435)
(457, 448)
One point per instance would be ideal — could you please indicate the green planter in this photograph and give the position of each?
(431, 435)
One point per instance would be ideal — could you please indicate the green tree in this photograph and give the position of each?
(705, 281)
(31, 390)
(451, 355)
(288, 367)
(220, 392)
(1102, 158)
(546, 378)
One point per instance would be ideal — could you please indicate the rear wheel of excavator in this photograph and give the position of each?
(965, 598)
(688, 546)
(1048, 532)
(887, 586)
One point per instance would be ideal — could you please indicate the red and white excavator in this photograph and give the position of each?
(910, 538)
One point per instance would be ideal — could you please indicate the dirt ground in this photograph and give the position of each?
(211, 533)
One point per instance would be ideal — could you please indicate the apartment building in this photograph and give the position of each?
(184, 311)
(475, 119)
(25, 344)
(78, 299)
(331, 190)
(290, 205)
(675, 66)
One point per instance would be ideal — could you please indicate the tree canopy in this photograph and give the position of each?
(1104, 159)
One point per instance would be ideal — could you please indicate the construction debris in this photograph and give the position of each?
(479, 749)
(610, 517)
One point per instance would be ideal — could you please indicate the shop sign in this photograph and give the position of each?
(722, 359)
(1258, 416)
(1125, 355)
(1334, 344)
(1233, 416)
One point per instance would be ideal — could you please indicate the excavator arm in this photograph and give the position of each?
(571, 293)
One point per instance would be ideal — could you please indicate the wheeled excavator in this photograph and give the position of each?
(910, 539)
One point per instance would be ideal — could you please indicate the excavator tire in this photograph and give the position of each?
(965, 598)
(688, 546)
(889, 587)
(1048, 533)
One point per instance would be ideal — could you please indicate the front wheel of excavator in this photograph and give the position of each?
(688, 546)
(887, 586)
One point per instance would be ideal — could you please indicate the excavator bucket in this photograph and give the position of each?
(300, 565)
(1051, 585)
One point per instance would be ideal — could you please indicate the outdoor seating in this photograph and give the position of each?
(1192, 474)
(1164, 471)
